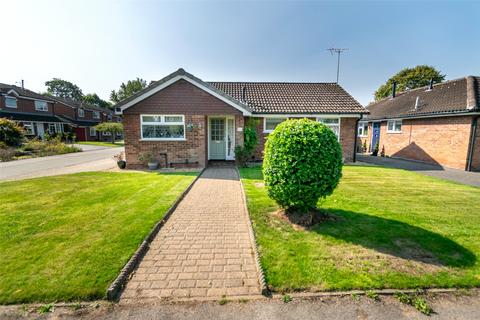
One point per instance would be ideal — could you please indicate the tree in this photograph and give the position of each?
(302, 163)
(112, 127)
(64, 89)
(128, 89)
(94, 100)
(11, 134)
(410, 78)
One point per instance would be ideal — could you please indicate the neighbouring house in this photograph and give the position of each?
(33, 111)
(41, 114)
(437, 124)
(83, 119)
(185, 121)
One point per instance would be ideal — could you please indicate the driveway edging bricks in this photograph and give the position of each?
(113, 292)
(253, 241)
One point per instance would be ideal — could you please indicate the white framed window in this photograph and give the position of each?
(162, 127)
(58, 127)
(81, 113)
(93, 131)
(51, 128)
(106, 133)
(10, 102)
(363, 129)
(332, 123)
(96, 114)
(28, 127)
(41, 105)
(269, 124)
(394, 126)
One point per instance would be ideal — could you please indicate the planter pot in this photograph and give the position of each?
(122, 164)
(153, 165)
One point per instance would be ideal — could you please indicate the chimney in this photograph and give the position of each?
(23, 84)
(244, 92)
(394, 88)
(417, 103)
(430, 86)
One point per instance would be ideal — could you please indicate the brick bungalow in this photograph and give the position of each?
(185, 121)
(436, 124)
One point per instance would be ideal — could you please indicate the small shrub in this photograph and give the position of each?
(302, 164)
(286, 298)
(11, 134)
(242, 155)
(49, 147)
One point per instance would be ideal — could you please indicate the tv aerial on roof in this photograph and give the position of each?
(337, 51)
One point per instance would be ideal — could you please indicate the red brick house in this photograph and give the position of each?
(40, 114)
(185, 121)
(435, 124)
(34, 111)
(83, 119)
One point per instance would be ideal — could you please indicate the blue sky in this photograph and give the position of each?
(99, 44)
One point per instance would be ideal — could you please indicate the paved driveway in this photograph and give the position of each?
(92, 159)
(204, 249)
(460, 176)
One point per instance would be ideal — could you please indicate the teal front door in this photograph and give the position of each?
(218, 144)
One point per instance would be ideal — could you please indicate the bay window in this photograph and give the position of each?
(162, 127)
(332, 123)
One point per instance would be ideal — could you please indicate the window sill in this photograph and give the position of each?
(394, 132)
(363, 136)
(267, 131)
(10, 107)
(160, 139)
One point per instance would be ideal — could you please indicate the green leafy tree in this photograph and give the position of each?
(302, 164)
(64, 89)
(11, 134)
(94, 100)
(112, 127)
(410, 78)
(128, 89)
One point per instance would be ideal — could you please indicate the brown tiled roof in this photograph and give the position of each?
(80, 104)
(288, 97)
(4, 88)
(273, 97)
(455, 96)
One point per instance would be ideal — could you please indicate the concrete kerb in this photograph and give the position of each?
(113, 292)
(253, 242)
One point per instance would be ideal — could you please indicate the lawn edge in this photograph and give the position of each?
(115, 289)
(253, 240)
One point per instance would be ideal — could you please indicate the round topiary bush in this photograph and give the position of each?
(302, 163)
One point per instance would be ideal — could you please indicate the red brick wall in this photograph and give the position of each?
(180, 98)
(476, 149)
(62, 109)
(442, 140)
(183, 98)
(25, 105)
(347, 137)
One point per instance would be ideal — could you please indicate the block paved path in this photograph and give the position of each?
(204, 249)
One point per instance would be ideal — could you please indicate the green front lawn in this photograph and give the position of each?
(395, 229)
(102, 143)
(67, 237)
